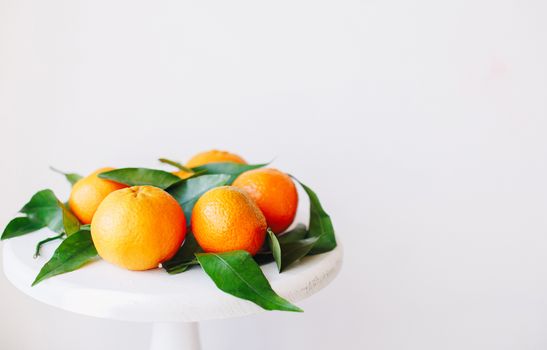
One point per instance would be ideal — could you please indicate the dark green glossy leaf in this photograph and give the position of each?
(71, 224)
(72, 253)
(293, 251)
(275, 248)
(292, 248)
(175, 164)
(299, 232)
(320, 224)
(43, 207)
(236, 273)
(71, 177)
(188, 192)
(185, 257)
(233, 169)
(85, 227)
(141, 176)
(21, 226)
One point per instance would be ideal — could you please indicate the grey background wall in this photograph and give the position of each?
(421, 124)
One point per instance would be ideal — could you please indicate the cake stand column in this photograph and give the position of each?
(175, 336)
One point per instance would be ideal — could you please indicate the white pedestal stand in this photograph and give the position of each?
(174, 304)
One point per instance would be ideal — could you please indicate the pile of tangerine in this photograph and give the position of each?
(140, 227)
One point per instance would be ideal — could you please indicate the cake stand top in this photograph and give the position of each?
(102, 290)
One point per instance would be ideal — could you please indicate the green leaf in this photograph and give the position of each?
(21, 226)
(185, 257)
(71, 224)
(141, 176)
(296, 234)
(175, 164)
(85, 227)
(233, 169)
(275, 248)
(43, 208)
(72, 253)
(320, 224)
(71, 177)
(188, 192)
(291, 249)
(236, 273)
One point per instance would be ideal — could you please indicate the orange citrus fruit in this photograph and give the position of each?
(225, 219)
(88, 193)
(138, 227)
(214, 156)
(275, 194)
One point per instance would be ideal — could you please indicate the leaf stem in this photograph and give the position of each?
(176, 165)
(56, 170)
(44, 241)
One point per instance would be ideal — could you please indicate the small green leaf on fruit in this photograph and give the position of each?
(188, 192)
(233, 169)
(141, 177)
